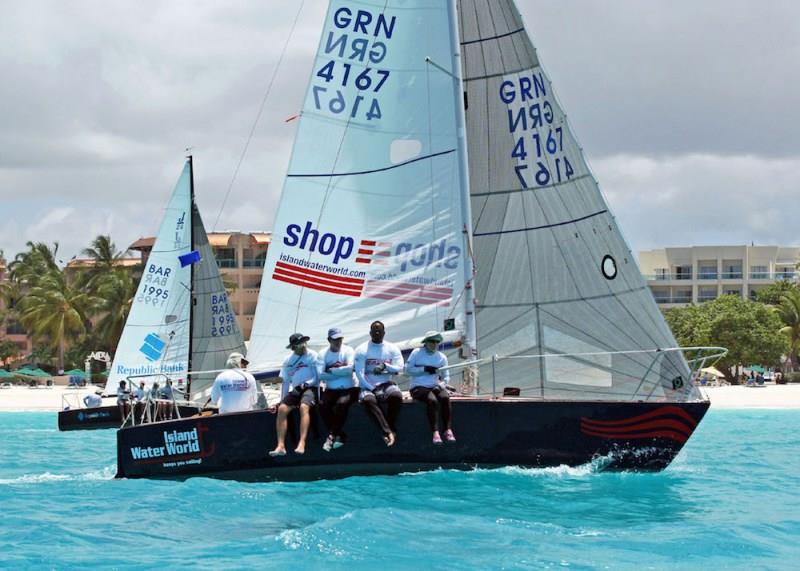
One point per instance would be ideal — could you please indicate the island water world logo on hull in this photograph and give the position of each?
(175, 448)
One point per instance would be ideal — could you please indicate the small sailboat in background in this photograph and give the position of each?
(436, 184)
(181, 325)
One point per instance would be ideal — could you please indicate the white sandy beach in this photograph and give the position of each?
(734, 397)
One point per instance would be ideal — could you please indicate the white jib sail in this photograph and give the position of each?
(554, 274)
(155, 340)
(369, 223)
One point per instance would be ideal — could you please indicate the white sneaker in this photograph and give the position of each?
(328, 444)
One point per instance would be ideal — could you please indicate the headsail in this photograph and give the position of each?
(215, 330)
(156, 335)
(554, 275)
(369, 225)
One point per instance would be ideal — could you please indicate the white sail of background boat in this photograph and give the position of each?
(403, 159)
(181, 318)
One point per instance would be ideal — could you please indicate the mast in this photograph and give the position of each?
(470, 335)
(191, 277)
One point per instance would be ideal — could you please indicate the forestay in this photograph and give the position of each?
(369, 224)
(555, 275)
(155, 339)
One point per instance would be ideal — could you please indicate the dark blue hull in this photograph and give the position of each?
(491, 433)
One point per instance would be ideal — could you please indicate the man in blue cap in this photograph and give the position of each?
(340, 389)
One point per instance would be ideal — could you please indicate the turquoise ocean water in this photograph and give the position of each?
(730, 500)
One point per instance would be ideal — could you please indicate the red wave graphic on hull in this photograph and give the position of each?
(665, 422)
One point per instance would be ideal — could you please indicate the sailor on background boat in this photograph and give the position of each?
(235, 390)
(428, 384)
(93, 400)
(376, 362)
(340, 389)
(123, 399)
(166, 403)
(300, 376)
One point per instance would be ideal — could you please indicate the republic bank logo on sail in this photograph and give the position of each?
(336, 274)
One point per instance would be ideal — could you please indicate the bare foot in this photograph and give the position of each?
(279, 451)
(389, 439)
(301, 448)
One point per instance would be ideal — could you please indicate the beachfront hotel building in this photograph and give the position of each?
(240, 257)
(696, 274)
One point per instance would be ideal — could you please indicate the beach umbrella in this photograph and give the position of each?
(756, 368)
(5, 374)
(32, 373)
(713, 371)
(76, 373)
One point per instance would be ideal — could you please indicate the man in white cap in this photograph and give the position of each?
(340, 389)
(300, 375)
(428, 384)
(235, 389)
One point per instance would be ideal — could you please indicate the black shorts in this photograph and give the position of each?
(301, 395)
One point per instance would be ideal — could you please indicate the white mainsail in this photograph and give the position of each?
(554, 274)
(155, 339)
(369, 224)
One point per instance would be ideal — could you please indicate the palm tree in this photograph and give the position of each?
(789, 313)
(114, 296)
(55, 311)
(31, 266)
(104, 256)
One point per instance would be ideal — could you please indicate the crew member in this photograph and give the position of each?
(123, 400)
(235, 390)
(93, 400)
(376, 363)
(428, 384)
(300, 376)
(340, 390)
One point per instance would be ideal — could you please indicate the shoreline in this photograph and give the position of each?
(51, 399)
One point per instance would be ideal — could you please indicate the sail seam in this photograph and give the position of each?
(501, 74)
(531, 189)
(545, 226)
(583, 298)
(493, 37)
(382, 169)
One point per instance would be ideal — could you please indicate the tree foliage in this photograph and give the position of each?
(788, 311)
(748, 329)
(771, 295)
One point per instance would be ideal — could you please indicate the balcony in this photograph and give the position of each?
(707, 275)
(704, 297)
(731, 275)
(672, 298)
(226, 263)
(258, 263)
(759, 275)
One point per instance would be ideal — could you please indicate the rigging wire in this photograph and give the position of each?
(258, 115)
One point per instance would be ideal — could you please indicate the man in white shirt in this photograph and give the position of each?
(340, 388)
(93, 400)
(123, 399)
(235, 389)
(376, 363)
(300, 375)
(428, 384)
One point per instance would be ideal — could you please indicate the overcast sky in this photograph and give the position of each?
(687, 111)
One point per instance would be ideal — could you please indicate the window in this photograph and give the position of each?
(683, 272)
(226, 257)
(759, 272)
(707, 271)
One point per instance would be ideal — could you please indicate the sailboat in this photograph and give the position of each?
(181, 325)
(436, 184)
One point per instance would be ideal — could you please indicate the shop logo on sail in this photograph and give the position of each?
(332, 276)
